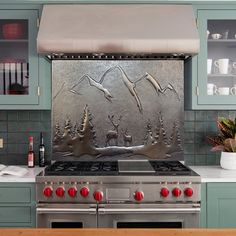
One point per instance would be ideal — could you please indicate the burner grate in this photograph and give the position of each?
(170, 168)
(85, 168)
(82, 168)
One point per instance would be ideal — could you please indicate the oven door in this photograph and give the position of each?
(66, 216)
(148, 215)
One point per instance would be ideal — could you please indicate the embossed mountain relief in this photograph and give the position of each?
(117, 108)
(131, 86)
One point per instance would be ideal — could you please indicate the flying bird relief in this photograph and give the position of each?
(127, 82)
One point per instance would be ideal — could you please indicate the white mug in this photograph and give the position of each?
(211, 89)
(209, 66)
(223, 65)
(216, 36)
(208, 33)
(234, 64)
(233, 90)
(223, 91)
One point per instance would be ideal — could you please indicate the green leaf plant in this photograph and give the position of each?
(226, 139)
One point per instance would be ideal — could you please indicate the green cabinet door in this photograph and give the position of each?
(203, 215)
(25, 76)
(221, 205)
(210, 76)
(17, 205)
(18, 58)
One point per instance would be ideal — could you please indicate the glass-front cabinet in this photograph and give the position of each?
(216, 62)
(18, 57)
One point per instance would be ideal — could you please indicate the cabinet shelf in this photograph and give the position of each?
(19, 54)
(220, 75)
(212, 21)
(221, 40)
(13, 40)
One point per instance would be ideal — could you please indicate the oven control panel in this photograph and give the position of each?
(136, 192)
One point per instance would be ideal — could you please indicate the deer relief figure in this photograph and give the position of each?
(127, 138)
(112, 135)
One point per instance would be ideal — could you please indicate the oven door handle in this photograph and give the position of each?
(147, 210)
(65, 210)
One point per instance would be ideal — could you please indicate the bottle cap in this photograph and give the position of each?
(31, 138)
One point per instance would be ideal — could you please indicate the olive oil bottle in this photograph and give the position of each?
(41, 151)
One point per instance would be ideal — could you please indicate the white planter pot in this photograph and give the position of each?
(228, 160)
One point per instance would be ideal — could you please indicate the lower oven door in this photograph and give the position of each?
(66, 216)
(148, 215)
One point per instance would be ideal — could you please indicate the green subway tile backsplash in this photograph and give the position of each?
(16, 127)
(23, 115)
(3, 115)
(12, 115)
(199, 125)
(34, 116)
(200, 115)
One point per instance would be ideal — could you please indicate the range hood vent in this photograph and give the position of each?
(115, 56)
(135, 31)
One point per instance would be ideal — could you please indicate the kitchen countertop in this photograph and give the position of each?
(29, 177)
(118, 232)
(214, 174)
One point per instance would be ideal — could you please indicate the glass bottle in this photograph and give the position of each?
(41, 151)
(31, 156)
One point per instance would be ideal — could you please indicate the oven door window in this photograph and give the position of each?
(66, 224)
(153, 225)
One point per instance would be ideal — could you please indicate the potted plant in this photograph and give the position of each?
(225, 142)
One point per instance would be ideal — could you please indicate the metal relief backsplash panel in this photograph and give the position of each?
(117, 109)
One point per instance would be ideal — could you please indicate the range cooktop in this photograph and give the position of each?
(121, 167)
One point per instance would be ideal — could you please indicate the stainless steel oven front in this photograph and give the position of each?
(66, 216)
(149, 215)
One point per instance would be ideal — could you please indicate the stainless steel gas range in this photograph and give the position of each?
(118, 194)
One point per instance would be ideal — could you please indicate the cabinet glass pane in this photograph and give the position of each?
(221, 58)
(14, 57)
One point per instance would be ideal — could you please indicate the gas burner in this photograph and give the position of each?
(63, 166)
(71, 168)
(171, 168)
(82, 168)
(163, 168)
(95, 167)
(59, 168)
(106, 167)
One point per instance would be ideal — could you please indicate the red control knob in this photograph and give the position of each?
(188, 192)
(84, 192)
(47, 192)
(60, 191)
(98, 195)
(72, 191)
(138, 196)
(164, 192)
(176, 192)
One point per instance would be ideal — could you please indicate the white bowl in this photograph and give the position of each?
(216, 36)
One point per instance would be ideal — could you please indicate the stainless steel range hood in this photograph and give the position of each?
(118, 29)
